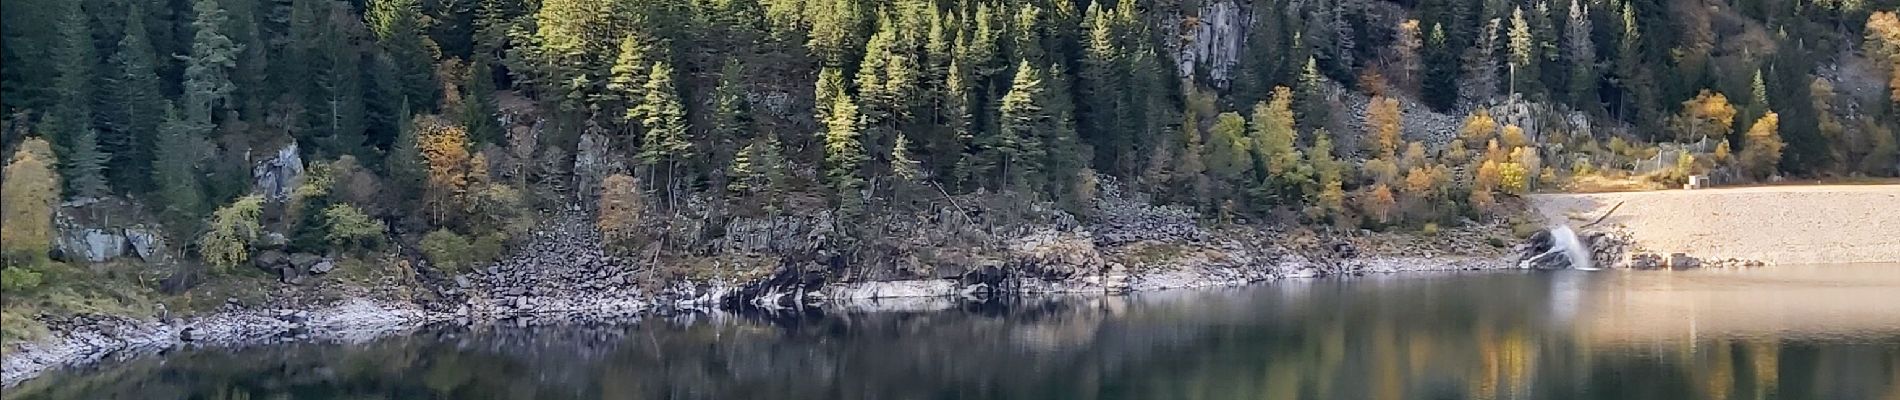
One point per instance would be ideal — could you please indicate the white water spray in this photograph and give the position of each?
(1565, 240)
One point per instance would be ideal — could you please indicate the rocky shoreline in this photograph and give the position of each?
(562, 275)
(93, 338)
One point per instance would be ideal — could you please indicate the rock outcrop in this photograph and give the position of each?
(279, 173)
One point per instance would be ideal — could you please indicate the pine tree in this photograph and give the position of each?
(479, 108)
(180, 150)
(1315, 109)
(1101, 84)
(1582, 58)
(1011, 157)
(208, 84)
(844, 152)
(627, 80)
(831, 86)
(398, 27)
(663, 118)
(1440, 84)
(133, 106)
(834, 29)
(336, 109)
(731, 116)
(70, 120)
(85, 166)
(1524, 57)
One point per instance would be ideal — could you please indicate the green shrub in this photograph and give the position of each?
(447, 250)
(349, 227)
(15, 279)
(1430, 229)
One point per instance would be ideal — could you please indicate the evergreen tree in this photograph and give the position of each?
(627, 81)
(208, 84)
(1440, 84)
(1582, 57)
(70, 119)
(835, 26)
(663, 118)
(1315, 107)
(339, 83)
(133, 106)
(398, 26)
(180, 150)
(1524, 55)
(731, 116)
(844, 152)
(1011, 157)
(479, 108)
(830, 88)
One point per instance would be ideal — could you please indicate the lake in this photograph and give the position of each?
(1783, 332)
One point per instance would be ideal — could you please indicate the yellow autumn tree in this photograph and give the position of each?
(27, 198)
(1378, 203)
(1514, 178)
(444, 148)
(1761, 147)
(1707, 115)
(1383, 119)
(1513, 137)
(1883, 46)
(1484, 182)
(1478, 128)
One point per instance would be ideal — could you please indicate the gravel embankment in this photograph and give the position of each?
(1821, 224)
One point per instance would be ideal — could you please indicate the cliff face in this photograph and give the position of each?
(1212, 41)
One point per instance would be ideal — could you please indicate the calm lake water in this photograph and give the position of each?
(1786, 332)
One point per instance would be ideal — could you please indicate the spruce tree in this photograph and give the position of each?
(627, 79)
(133, 106)
(81, 162)
(844, 152)
(336, 100)
(663, 118)
(1102, 85)
(1582, 58)
(1315, 109)
(731, 116)
(479, 108)
(208, 84)
(180, 149)
(1011, 157)
(398, 27)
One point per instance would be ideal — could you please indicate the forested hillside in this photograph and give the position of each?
(440, 124)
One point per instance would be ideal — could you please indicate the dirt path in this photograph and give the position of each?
(1776, 224)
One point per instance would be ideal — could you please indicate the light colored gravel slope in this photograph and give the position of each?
(1775, 224)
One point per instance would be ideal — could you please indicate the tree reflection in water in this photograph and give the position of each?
(1612, 335)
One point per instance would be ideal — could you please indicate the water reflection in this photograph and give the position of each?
(1777, 333)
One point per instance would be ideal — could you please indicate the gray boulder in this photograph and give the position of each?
(279, 173)
(147, 243)
(323, 267)
(90, 244)
(270, 260)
